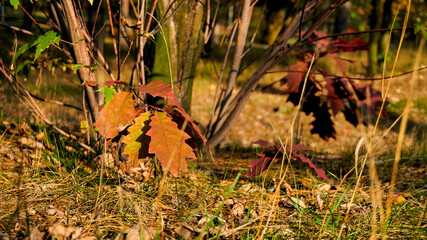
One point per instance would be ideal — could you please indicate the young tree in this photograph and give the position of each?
(181, 29)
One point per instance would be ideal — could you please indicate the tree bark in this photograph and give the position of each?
(183, 41)
(75, 32)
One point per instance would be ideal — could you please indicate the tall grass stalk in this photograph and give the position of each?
(402, 129)
(371, 144)
(274, 198)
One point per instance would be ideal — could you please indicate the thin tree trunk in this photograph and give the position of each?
(81, 56)
(375, 20)
(181, 48)
(277, 53)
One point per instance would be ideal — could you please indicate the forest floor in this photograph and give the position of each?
(50, 188)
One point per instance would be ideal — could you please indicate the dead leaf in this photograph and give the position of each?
(70, 149)
(60, 232)
(292, 202)
(40, 136)
(135, 233)
(238, 209)
(398, 199)
(185, 232)
(319, 200)
(88, 238)
(229, 201)
(31, 143)
(53, 211)
(4, 236)
(246, 187)
(106, 160)
(352, 206)
(324, 187)
(77, 233)
(35, 234)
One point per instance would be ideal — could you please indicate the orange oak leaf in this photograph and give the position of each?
(168, 143)
(116, 114)
(137, 139)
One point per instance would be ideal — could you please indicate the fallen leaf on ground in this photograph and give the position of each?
(229, 201)
(135, 233)
(184, 232)
(399, 199)
(35, 234)
(324, 187)
(319, 200)
(352, 206)
(53, 211)
(31, 143)
(238, 209)
(293, 202)
(60, 232)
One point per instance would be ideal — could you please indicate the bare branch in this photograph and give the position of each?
(26, 98)
(278, 52)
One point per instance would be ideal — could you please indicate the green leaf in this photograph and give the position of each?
(14, 3)
(421, 28)
(91, 2)
(93, 67)
(23, 49)
(109, 93)
(44, 42)
(76, 67)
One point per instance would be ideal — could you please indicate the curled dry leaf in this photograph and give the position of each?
(238, 209)
(398, 199)
(292, 202)
(319, 200)
(87, 238)
(106, 160)
(40, 136)
(70, 149)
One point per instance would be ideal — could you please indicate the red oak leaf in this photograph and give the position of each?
(116, 115)
(168, 143)
(274, 153)
(295, 76)
(179, 116)
(336, 103)
(320, 172)
(160, 89)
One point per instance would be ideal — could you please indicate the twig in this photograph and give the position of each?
(55, 102)
(25, 97)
